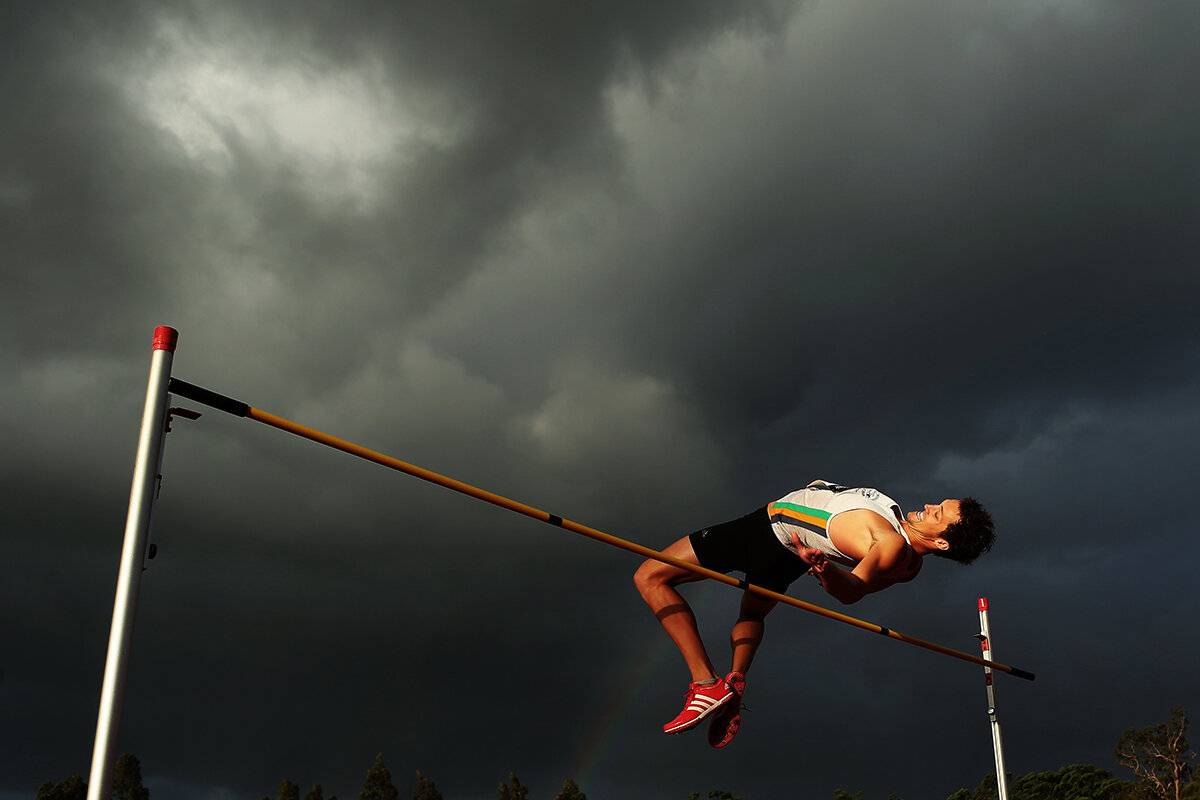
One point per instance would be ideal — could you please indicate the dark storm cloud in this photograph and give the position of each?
(112, 191)
(974, 207)
(646, 265)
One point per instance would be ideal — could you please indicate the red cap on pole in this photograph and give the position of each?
(165, 337)
(983, 604)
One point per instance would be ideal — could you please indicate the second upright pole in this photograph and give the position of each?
(985, 643)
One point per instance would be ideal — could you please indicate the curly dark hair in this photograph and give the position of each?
(972, 535)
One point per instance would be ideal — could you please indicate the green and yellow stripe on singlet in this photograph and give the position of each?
(787, 512)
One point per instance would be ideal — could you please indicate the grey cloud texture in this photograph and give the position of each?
(646, 266)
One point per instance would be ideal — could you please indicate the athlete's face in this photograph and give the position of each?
(934, 519)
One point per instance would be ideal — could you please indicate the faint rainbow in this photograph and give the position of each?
(603, 731)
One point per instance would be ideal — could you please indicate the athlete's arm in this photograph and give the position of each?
(845, 586)
(880, 568)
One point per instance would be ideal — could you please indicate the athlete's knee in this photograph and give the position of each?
(646, 577)
(653, 575)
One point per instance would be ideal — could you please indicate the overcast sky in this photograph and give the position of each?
(647, 266)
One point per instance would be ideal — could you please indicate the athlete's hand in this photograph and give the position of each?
(815, 559)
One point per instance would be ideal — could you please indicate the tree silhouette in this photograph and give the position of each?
(512, 789)
(1159, 756)
(378, 784)
(315, 793)
(986, 790)
(73, 788)
(1072, 781)
(425, 789)
(570, 791)
(127, 779)
(287, 791)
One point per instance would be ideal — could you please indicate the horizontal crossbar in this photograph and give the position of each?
(240, 409)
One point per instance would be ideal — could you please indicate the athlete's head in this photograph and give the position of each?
(960, 530)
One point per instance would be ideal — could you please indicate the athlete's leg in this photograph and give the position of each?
(744, 639)
(656, 582)
(747, 632)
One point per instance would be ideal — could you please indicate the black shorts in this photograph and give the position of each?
(749, 545)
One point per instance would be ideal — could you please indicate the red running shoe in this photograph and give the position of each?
(698, 703)
(725, 724)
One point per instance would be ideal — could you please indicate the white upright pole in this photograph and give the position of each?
(133, 552)
(985, 642)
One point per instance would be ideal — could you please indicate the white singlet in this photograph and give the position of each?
(808, 512)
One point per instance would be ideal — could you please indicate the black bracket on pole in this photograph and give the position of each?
(177, 411)
(208, 397)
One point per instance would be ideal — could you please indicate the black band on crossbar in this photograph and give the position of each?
(209, 398)
(743, 584)
(554, 519)
(1020, 673)
(884, 630)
